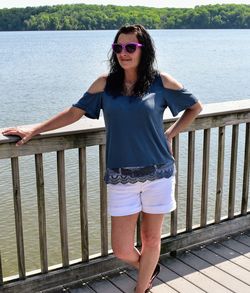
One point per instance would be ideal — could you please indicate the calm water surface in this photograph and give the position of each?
(41, 73)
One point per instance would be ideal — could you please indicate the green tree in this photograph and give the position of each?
(82, 16)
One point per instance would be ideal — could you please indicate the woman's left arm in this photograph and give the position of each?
(189, 114)
(184, 121)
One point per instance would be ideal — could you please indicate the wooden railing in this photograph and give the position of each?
(85, 133)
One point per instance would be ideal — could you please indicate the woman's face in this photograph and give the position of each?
(127, 60)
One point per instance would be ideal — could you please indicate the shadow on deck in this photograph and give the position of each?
(222, 266)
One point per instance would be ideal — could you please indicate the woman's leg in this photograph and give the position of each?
(122, 236)
(151, 227)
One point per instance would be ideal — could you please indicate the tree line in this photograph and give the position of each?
(104, 17)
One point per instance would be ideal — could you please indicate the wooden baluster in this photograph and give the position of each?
(138, 230)
(220, 173)
(174, 214)
(233, 166)
(190, 180)
(83, 204)
(18, 217)
(103, 202)
(245, 189)
(205, 173)
(41, 212)
(62, 207)
(1, 271)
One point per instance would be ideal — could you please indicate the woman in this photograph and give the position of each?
(140, 172)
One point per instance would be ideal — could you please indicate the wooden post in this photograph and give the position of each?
(138, 230)
(18, 217)
(220, 173)
(41, 213)
(62, 207)
(233, 166)
(205, 173)
(103, 202)
(245, 189)
(174, 214)
(83, 204)
(190, 181)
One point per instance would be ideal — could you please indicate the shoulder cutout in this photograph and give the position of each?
(98, 85)
(169, 82)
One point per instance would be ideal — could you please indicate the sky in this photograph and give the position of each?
(151, 3)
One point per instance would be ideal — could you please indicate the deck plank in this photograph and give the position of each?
(81, 289)
(123, 281)
(214, 273)
(244, 239)
(230, 254)
(223, 264)
(158, 285)
(102, 285)
(247, 233)
(176, 282)
(237, 246)
(193, 276)
(78, 287)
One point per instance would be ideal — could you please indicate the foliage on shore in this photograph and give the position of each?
(100, 17)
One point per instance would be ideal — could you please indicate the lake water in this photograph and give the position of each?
(41, 73)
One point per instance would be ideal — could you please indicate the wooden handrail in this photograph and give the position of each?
(86, 125)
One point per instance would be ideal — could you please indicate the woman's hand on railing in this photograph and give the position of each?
(25, 134)
(64, 118)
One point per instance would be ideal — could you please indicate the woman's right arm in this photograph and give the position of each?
(64, 118)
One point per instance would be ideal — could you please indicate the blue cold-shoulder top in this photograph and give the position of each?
(134, 125)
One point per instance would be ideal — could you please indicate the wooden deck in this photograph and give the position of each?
(221, 267)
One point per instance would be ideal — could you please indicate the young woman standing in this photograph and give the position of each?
(140, 173)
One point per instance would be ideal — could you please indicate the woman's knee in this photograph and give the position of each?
(151, 240)
(123, 252)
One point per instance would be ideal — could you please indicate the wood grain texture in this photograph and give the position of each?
(103, 202)
(83, 204)
(41, 213)
(192, 275)
(174, 214)
(220, 173)
(233, 166)
(62, 207)
(209, 233)
(221, 277)
(190, 180)
(18, 217)
(205, 174)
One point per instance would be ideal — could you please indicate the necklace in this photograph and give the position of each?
(128, 87)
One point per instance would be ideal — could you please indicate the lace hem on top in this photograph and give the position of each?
(163, 171)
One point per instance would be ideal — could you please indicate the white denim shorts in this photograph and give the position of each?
(153, 197)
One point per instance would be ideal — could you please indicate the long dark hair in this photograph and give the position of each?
(145, 71)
